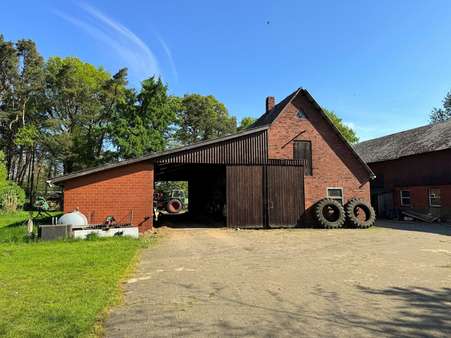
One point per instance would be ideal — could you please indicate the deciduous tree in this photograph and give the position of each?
(349, 134)
(245, 123)
(80, 100)
(201, 118)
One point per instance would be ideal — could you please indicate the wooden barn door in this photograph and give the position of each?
(245, 196)
(285, 195)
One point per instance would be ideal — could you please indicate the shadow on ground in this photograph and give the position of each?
(435, 228)
(420, 312)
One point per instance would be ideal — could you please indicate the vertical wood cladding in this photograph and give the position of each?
(268, 195)
(285, 186)
(245, 196)
(248, 149)
(302, 150)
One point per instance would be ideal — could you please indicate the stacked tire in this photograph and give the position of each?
(331, 214)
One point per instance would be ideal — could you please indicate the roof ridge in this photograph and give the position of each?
(419, 140)
(405, 131)
(261, 120)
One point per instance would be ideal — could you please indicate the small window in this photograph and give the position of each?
(301, 114)
(335, 194)
(405, 198)
(302, 150)
(434, 197)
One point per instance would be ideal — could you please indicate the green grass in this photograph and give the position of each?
(11, 219)
(61, 288)
(13, 227)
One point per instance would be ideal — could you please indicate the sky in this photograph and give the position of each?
(380, 65)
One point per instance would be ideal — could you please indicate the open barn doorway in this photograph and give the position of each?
(171, 197)
(203, 188)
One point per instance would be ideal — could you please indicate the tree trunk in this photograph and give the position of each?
(68, 166)
(31, 175)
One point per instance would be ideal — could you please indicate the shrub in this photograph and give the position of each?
(12, 197)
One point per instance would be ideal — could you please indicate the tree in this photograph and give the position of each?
(348, 133)
(444, 113)
(21, 96)
(142, 123)
(201, 118)
(245, 123)
(80, 100)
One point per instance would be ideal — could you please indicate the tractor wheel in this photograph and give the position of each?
(330, 214)
(360, 214)
(174, 206)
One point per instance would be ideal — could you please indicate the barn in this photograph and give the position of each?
(270, 175)
(413, 171)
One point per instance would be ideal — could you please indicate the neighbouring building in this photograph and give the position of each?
(413, 170)
(270, 175)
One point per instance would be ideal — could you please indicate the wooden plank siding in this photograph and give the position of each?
(250, 178)
(269, 195)
(245, 196)
(302, 150)
(285, 191)
(248, 149)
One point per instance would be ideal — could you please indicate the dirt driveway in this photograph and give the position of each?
(384, 281)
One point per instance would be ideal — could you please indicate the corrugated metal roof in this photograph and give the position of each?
(432, 137)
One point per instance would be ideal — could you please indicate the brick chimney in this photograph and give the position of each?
(270, 103)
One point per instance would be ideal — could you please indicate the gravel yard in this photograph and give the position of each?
(392, 280)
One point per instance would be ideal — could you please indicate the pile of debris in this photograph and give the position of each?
(410, 215)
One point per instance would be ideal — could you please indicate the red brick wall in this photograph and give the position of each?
(419, 199)
(115, 192)
(333, 163)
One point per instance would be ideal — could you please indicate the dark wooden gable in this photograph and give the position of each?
(247, 149)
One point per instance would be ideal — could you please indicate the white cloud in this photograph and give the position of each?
(168, 52)
(138, 57)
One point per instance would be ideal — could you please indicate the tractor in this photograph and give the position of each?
(173, 202)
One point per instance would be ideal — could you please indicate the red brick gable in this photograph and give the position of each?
(333, 163)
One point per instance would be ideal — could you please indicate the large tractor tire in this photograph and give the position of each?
(174, 206)
(360, 214)
(330, 214)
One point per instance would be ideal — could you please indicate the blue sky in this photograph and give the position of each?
(380, 65)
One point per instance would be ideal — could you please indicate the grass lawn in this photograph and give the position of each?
(61, 288)
(13, 226)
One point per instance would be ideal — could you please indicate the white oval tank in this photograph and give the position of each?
(75, 218)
